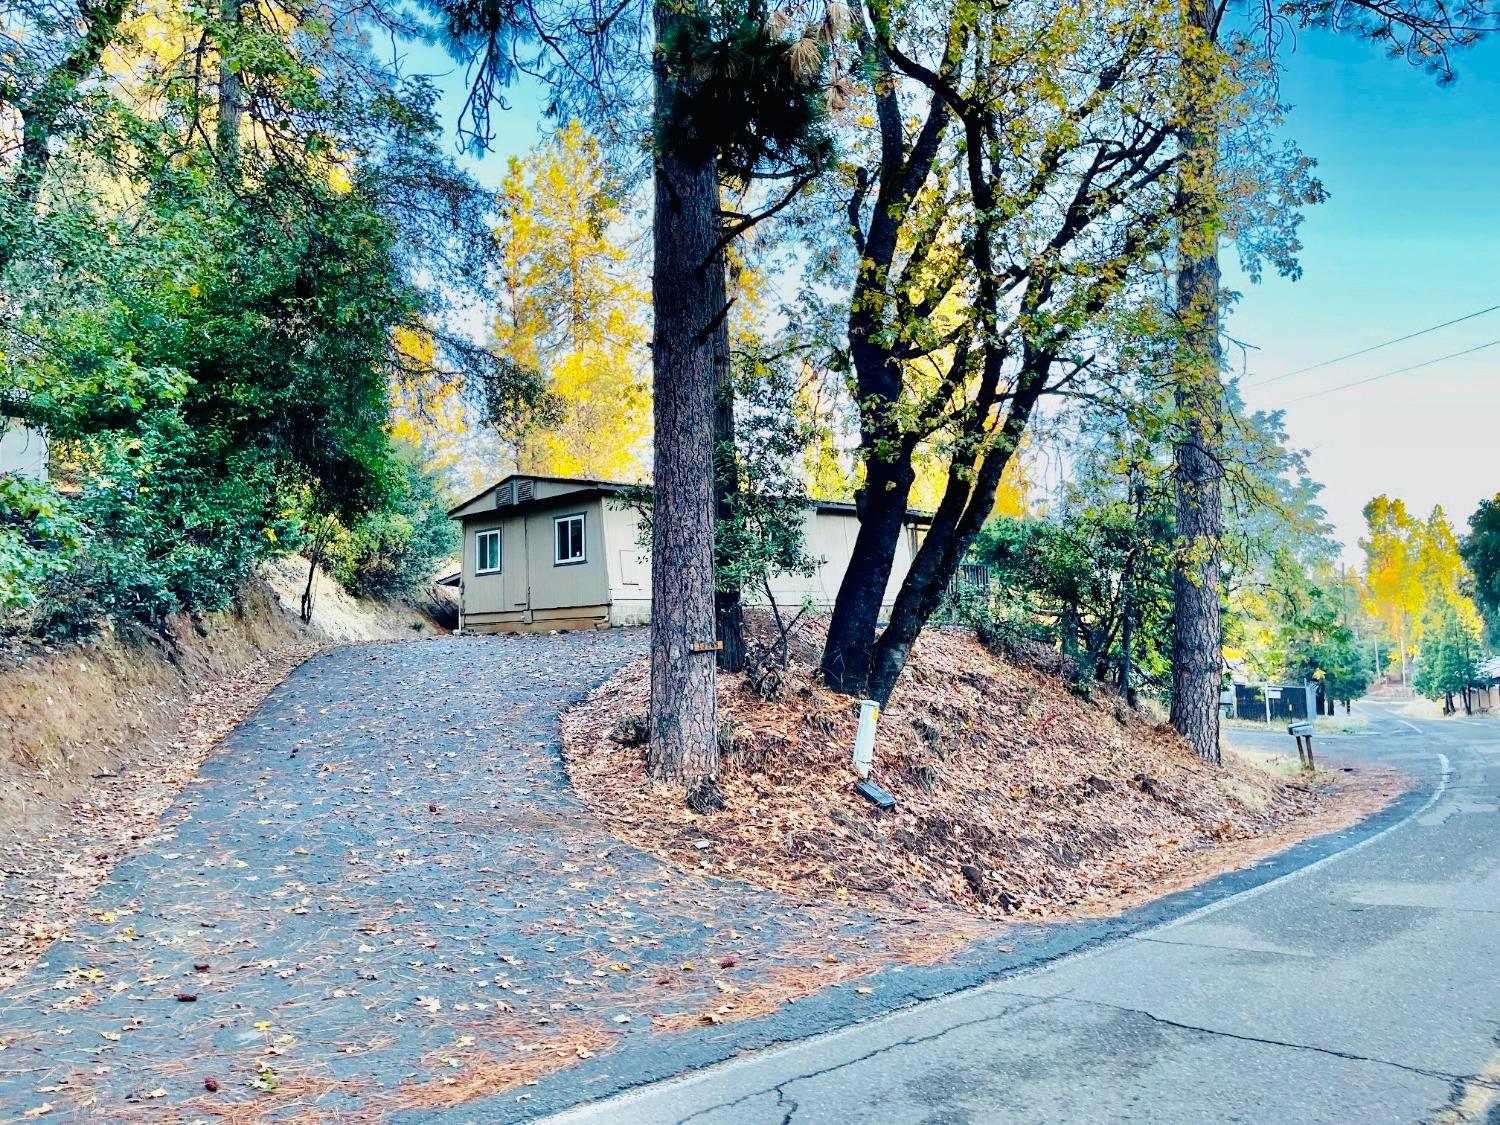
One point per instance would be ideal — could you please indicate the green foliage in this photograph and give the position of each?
(398, 547)
(209, 335)
(1321, 649)
(38, 535)
(1447, 665)
(187, 402)
(1481, 551)
(761, 535)
(166, 529)
(745, 89)
(1072, 579)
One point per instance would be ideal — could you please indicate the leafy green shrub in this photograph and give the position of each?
(398, 547)
(38, 534)
(160, 531)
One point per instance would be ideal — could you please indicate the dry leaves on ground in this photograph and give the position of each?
(51, 873)
(1016, 797)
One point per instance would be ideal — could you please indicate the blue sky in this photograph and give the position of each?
(1409, 238)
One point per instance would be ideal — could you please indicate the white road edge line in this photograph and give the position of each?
(1253, 892)
(582, 1112)
(1403, 722)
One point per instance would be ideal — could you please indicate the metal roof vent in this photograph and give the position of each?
(504, 495)
(525, 490)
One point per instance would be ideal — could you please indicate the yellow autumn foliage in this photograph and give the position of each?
(573, 308)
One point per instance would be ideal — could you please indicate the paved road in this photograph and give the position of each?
(1363, 988)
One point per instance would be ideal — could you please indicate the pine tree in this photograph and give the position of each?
(1449, 656)
(572, 309)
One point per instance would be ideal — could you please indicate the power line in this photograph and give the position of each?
(1398, 371)
(1377, 347)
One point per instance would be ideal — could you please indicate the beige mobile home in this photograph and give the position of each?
(543, 553)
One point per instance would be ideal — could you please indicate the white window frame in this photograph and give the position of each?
(479, 538)
(583, 539)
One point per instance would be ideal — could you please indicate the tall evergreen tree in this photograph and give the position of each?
(1424, 33)
(1481, 551)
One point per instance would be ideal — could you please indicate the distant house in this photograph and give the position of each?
(542, 553)
(1486, 692)
(23, 451)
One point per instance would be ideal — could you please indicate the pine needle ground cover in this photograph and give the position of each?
(1016, 798)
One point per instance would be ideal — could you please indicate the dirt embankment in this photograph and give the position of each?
(96, 739)
(1015, 797)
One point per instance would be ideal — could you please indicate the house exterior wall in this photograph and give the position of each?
(829, 536)
(629, 566)
(23, 451)
(612, 585)
(571, 585)
(531, 592)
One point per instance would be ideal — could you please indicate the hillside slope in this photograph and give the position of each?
(1015, 797)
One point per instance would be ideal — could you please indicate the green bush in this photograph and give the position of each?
(159, 531)
(398, 547)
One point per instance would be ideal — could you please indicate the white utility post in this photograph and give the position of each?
(864, 737)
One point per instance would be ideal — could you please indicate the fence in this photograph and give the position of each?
(970, 587)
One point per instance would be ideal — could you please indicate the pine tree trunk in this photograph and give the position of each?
(231, 96)
(1197, 640)
(729, 611)
(1128, 583)
(688, 294)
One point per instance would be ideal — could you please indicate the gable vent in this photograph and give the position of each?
(504, 496)
(525, 490)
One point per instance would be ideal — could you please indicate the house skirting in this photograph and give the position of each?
(538, 621)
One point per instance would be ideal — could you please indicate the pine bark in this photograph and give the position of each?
(231, 94)
(1197, 630)
(688, 295)
(729, 611)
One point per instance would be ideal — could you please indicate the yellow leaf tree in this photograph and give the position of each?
(1414, 573)
(572, 307)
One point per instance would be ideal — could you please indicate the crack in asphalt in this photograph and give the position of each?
(1224, 948)
(782, 1098)
(1350, 1056)
(790, 1105)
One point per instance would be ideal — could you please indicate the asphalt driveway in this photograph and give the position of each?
(380, 898)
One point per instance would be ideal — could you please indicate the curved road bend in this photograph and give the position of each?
(1363, 988)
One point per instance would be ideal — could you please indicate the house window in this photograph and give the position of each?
(487, 552)
(567, 538)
